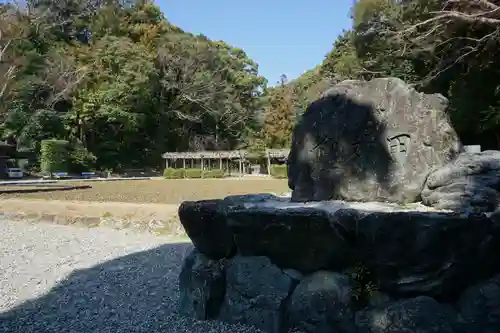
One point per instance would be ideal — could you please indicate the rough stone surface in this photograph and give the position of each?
(294, 274)
(305, 239)
(410, 252)
(205, 224)
(256, 293)
(417, 315)
(434, 254)
(322, 303)
(370, 141)
(378, 299)
(251, 198)
(285, 271)
(479, 307)
(495, 217)
(469, 183)
(202, 286)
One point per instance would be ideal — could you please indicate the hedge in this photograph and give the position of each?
(54, 156)
(193, 173)
(216, 173)
(171, 173)
(279, 171)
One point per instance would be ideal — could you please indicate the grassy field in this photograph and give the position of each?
(158, 191)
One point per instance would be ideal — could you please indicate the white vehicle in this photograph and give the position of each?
(15, 173)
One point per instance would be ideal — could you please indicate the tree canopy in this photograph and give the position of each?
(116, 78)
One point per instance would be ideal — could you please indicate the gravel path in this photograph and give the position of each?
(63, 279)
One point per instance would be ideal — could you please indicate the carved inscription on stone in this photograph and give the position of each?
(398, 147)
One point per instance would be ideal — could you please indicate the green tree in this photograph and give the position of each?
(122, 82)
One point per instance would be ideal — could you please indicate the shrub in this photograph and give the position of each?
(213, 173)
(279, 171)
(171, 173)
(193, 173)
(168, 173)
(81, 159)
(363, 286)
(54, 156)
(179, 173)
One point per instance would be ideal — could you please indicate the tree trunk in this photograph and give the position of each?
(217, 135)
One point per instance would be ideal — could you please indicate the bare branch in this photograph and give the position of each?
(3, 50)
(63, 77)
(487, 4)
(442, 34)
(7, 69)
(481, 3)
(184, 74)
(8, 76)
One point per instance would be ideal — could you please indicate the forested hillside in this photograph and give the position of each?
(123, 85)
(447, 46)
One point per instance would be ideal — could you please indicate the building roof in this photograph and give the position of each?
(273, 153)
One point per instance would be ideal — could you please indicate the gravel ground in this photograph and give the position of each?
(64, 279)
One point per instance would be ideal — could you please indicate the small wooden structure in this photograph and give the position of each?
(276, 155)
(7, 151)
(226, 160)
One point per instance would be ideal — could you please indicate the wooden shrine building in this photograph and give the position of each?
(231, 161)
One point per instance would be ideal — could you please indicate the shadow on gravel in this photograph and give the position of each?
(134, 293)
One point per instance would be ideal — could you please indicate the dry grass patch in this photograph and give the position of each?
(172, 191)
(156, 218)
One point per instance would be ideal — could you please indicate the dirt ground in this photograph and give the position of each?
(158, 191)
(138, 204)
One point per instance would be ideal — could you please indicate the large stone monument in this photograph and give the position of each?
(375, 261)
(370, 141)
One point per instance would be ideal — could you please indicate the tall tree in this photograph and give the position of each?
(279, 117)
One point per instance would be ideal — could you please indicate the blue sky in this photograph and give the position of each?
(283, 37)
